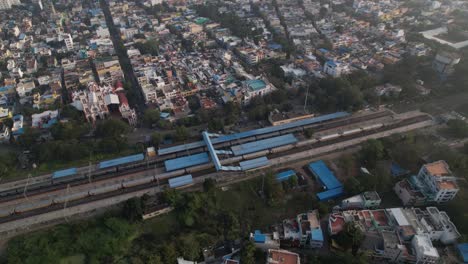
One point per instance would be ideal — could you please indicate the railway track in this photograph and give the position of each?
(49, 186)
(162, 181)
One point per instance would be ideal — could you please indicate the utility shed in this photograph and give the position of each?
(121, 161)
(64, 173)
(330, 194)
(323, 174)
(260, 145)
(254, 163)
(187, 161)
(181, 181)
(285, 175)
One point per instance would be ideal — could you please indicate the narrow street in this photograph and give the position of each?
(135, 96)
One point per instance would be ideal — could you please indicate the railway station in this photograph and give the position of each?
(220, 157)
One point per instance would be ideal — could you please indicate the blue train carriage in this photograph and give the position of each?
(120, 162)
(64, 175)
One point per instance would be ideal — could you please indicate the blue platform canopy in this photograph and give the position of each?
(121, 161)
(254, 132)
(64, 173)
(254, 163)
(263, 144)
(181, 181)
(188, 161)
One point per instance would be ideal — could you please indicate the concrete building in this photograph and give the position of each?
(97, 102)
(256, 87)
(280, 256)
(265, 241)
(5, 4)
(364, 200)
(445, 62)
(304, 230)
(333, 68)
(434, 183)
(425, 252)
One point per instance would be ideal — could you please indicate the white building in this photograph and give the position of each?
(424, 250)
(256, 87)
(4, 133)
(334, 68)
(440, 180)
(67, 38)
(5, 4)
(97, 101)
(433, 184)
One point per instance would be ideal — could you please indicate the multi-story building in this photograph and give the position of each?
(445, 62)
(434, 183)
(405, 233)
(425, 252)
(5, 4)
(256, 87)
(304, 230)
(364, 200)
(97, 102)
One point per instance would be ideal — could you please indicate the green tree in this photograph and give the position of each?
(372, 151)
(181, 133)
(248, 253)
(457, 128)
(350, 238)
(151, 117)
(309, 132)
(272, 188)
(132, 209)
(169, 253)
(112, 128)
(156, 139)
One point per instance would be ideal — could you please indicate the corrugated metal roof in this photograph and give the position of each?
(64, 173)
(188, 161)
(263, 144)
(330, 194)
(254, 163)
(180, 181)
(120, 161)
(325, 175)
(282, 176)
(254, 132)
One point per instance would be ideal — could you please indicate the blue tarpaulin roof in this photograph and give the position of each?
(330, 194)
(317, 234)
(324, 175)
(263, 144)
(282, 176)
(259, 237)
(254, 163)
(254, 132)
(187, 161)
(120, 161)
(64, 173)
(397, 171)
(463, 249)
(180, 181)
